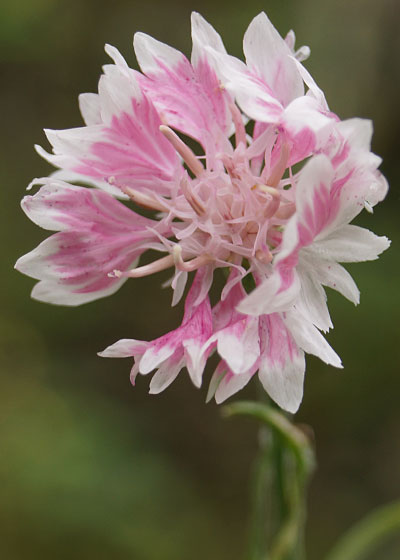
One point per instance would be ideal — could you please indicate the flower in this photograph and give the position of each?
(245, 171)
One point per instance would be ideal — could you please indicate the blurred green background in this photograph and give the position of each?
(89, 466)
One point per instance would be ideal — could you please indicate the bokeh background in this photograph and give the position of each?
(89, 466)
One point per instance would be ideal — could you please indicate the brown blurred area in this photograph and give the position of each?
(93, 468)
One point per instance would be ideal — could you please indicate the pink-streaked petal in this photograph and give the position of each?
(282, 364)
(72, 270)
(309, 339)
(315, 210)
(268, 55)
(224, 313)
(97, 235)
(190, 99)
(59, 206)
(308, 128)
(358, 182)
(127, 147)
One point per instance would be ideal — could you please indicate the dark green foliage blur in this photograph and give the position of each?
(93, 468)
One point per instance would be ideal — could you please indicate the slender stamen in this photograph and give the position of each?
(144, 200)
(264, 256)
(229, 166)
(280, 167)
(189, 266)
(146, 270)
(184, 151)
(192, 199)
(240, 131)
(285, 211)
(266, 189)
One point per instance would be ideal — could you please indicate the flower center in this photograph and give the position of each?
(230, 212)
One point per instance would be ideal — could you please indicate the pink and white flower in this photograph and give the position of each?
(232, 202)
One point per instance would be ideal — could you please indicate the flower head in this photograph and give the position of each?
(246, 170)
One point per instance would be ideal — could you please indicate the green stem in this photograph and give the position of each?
(366, 536)
(293, 437)
(285, 463)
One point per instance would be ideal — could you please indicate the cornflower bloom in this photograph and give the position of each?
(246, 170)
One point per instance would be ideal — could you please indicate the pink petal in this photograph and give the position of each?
(189, 98)
(98, 234)
(127, 147)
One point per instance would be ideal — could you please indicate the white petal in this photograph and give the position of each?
(203, 34)
(284, 384)
(154, 356)
(195, 360)
(358, 132)
(316, 92)
(351, 244)
(167, 373)
(312, 297)
(150, 53)
(231, 385)
(116, 91)
(268, 54)
(124, 348)
(331, 274)
(240, 348)
(310, 339)
(216, 379)
(178, 285)
(76, 142)
(269, 298)
(116, 56)
(51, 292)
(89, 105)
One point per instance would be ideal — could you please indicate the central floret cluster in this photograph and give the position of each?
(232, 211)
(244, 171)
